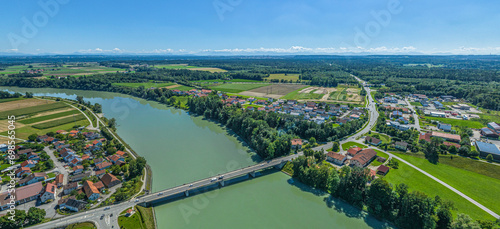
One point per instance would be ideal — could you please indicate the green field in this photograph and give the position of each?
(418, 181)
(85, 225)
(182, 88)
(190, 67)
(236, 88)
(295, 95)
(348, 145)
(490, 115)
(383, 137)
(48, 117)
(146, 85)
(416, 104)
(233, 80)
(32, 110)
(10, 99)
(457, 122)
(288, 76)
(380, 154)
(59, 122)
(481, 188)
(50, 69)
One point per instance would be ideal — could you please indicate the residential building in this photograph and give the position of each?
(297, 143)
(28, 193)
(110, 180)
(103, 165)
(115, 158)
(32, 178)
(5, 201)
(59, 181)
(336, 158)
(72, 204)
(445, 127)
(401, 146)
(70, 187)
(100, 173)
(77, 169)
(425, 136)
(90, 190)
(373, 141)
(79, 177)
(363, 158)
(99, 185)
(23, 170)
(353, 151)
(486, 149)
(28, 163)
(50, 193)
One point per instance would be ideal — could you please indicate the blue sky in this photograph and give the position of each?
(250, 26)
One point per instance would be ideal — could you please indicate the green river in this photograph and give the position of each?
(181, 148)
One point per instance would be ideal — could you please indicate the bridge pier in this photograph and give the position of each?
(252, 174)
(221, 183)
(186, 193)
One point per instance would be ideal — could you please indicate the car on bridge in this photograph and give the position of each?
(221, 177)
(213, 179)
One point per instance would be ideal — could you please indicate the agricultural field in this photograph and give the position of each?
(237, 87)
(40, 116)
(10, 99)
(145, 85)
(349, 145)
(289, 76)
(233, 81)
(77, 69)
(456, 122)
(309, 93)
(419, 182)
(189, 67)
(274, 91)
(349, 94)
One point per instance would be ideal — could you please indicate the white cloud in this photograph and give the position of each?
(307, 50)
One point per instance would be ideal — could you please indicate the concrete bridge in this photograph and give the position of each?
(211, 183)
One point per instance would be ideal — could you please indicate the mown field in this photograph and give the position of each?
(348, 145)
(84, 225)
(419, 182)
(40, 117)
(289, 76)
(236, 88)
(189, 67)
(31, 110)
(146, 85)
(71, 70)
(296, 95)
(10, 100)
(457, 122)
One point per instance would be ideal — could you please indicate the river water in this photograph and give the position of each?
(181, 148)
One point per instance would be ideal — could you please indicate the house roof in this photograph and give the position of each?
(89, 188)
(59, 178)
(31, 176)
(373, 140)
(354, 151)
(426, 137)
(364, 156)
(70, 185)
(100, 172)
(446, 136)
(115, 157)
(77, 167)
(451, 144)
(108, 178)
(383, 169)
(24, 151)
(99, 185)
(26, 169)
(488, 148)
(50, 188)
(103, 165)
(4, 198)
(296, 141)
(121, 153)
(404, 144)
(336, 156)
(28, 190)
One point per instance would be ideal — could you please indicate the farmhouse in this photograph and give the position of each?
(33, 178)
(72, 204)
(353, 151)
(70, 187)
(28, 193)
(446, 137)
(336, 158)
(109, 180)
(363, 158)
(90, 190)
